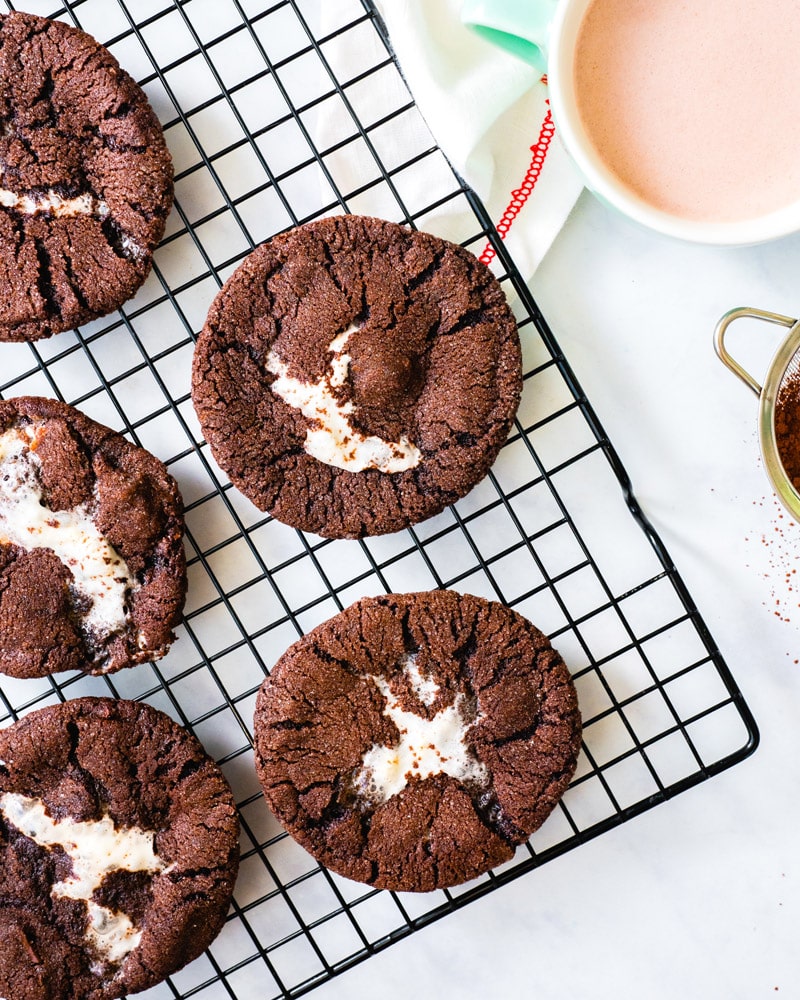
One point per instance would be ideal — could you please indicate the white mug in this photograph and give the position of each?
(544, 33)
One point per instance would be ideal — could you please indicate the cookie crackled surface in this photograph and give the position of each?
(86, 179)
(118, 850)
(354, 377)
(92, 567)
(414, 741)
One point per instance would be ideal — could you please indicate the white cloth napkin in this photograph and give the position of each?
(490, 115)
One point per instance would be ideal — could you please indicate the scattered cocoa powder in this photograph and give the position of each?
(781, 545)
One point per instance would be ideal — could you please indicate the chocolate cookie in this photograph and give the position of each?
(118, 850)
(415, 740)
(92, 568)
(354, 377)
(85, 179)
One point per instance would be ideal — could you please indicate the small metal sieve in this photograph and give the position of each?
(784, 365)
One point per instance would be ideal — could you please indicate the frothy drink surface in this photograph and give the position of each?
(695, 104)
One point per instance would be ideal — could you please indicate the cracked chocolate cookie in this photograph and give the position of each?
(118, 850)
(414, 741)
(354, 377)
(92, 567)
(85, 179)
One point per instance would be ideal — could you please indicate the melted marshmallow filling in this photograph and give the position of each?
(333, 439)
(426, 746)
(100, 575)
(54, 204)
(96, 848)
(425, 688)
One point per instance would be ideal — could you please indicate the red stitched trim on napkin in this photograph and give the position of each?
(520, 195)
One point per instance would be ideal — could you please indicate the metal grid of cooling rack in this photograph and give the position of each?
(277, 113)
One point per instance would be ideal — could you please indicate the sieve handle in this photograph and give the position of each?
(722, 329)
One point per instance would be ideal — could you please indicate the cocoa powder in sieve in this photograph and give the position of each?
(787, 428)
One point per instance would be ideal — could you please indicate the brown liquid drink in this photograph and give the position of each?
(695, 105)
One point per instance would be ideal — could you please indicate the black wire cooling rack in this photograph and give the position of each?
(277, 113)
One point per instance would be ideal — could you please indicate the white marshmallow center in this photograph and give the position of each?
(333, 440)
(100, 574)
(96, 848)
(53, 203)
(426, 746)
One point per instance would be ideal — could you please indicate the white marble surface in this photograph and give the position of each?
(700, 896)
(697, 898)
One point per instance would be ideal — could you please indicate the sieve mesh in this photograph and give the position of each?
(790, 377)
(277, 113)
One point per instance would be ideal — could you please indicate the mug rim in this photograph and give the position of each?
(602, 182)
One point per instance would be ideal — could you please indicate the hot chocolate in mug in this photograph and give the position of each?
(682, 114)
